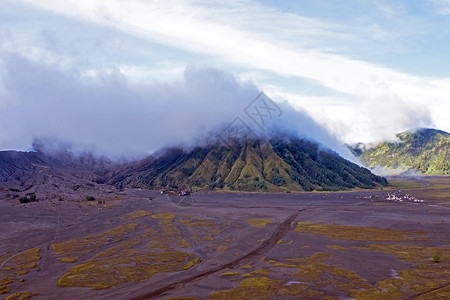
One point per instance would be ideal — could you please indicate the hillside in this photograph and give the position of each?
(52, 176)
(278, 165)
(426, 151)
(248, 165)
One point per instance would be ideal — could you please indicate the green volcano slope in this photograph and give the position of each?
(426, 151)
(276, 165)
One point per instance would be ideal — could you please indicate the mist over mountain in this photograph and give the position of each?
(426, 151)
(105, 114)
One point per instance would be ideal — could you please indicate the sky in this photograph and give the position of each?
(132, 76)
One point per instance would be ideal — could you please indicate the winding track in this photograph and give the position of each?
(278, 234)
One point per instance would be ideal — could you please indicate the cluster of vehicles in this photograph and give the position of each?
(397, 197)
(175, 193)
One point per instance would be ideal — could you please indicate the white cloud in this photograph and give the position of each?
(102, 112)
(443, 6)
(249, 36)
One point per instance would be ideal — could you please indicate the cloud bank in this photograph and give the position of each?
(325, 58)
(103, 113)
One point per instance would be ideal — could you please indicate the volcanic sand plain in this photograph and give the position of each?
(140, 244)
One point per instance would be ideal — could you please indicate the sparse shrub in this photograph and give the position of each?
(90, 198)
(30, 197)
(436, 258)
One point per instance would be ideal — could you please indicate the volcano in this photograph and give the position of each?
(275, 165)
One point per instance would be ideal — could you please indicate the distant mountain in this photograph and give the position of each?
(25, 171)
(248, 165)
(426, 151)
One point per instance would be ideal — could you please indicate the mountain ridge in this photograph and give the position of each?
(250, 165)
(253, 165)
(426, 151)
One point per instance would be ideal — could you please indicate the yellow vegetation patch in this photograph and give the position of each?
(264, 288)
(413, 253)
(256, 273)
(230, 274)
(4, 285)
(117, 249)
(170, 236)
(222, 248)
(316, 270)
(20, 296)
(136, 214)
(336, 247)
(425, 278)
(182, 243)
(354, 233)
(208, 238)
(439, 293)
(127, 267)
(20, 264)
(23, 262)
(197, 223)
(284, 265)
(191, 263)
(258, 222)
(26, 266)
(26, 256)
(163, 216)
(21, 272)
(246, 267)
(68, 259)
(183, 298)
(280, 242)
(81, 246)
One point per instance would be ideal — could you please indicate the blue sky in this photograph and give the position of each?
(363, 69)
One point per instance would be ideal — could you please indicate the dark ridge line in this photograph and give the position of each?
(279, 233)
